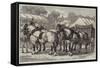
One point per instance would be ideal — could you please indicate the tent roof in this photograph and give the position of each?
(82, 21)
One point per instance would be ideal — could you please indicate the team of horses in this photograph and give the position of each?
(62, 38)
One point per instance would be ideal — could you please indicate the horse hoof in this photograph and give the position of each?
(86, 52)
(70, 54)
(55, 54)
(22, 52)
(33, 53)
(50, 53)
(36, 52)
(44, 49)
(28, 52)
(39, 50)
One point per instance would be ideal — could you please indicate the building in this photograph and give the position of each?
(84, 24)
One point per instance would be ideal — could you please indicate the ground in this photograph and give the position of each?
(45, 57)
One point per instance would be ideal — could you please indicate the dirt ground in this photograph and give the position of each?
(45, 57)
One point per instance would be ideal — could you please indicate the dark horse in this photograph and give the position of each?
(84, 40)
(68, 38)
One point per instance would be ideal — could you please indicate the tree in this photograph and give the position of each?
(39, 10)
(53, 18)
(33, 10)
(72, 17)
(54, 14)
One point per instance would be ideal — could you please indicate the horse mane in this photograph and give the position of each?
(33, 31)
(40, 36)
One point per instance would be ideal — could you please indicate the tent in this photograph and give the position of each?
(83, 21)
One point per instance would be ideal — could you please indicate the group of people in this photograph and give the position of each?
(62, 38)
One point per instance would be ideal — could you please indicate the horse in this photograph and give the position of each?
(25, 36)
(49, 36)
(75, 41)
(34, 39)
(84, 40)
(69, 38)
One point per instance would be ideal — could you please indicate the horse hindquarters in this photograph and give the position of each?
(42, 43)
(33, 40)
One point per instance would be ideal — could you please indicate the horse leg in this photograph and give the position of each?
(64, 45)
(86, 47)
(37, 47)
(51, 52)
(69, 49)
(51, 48)
(80, 47)
(68, 46)
(23, 48)
(60, 44)
(33, 49)
(92, 46)
(27, 50)
(75, 47)
(55, 49)
(44, 47)
(40, 47)
(39, 44)
(27, 47)
(72, 45)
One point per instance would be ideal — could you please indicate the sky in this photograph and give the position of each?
(78, 11)
(65, 10)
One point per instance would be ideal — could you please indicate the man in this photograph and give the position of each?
(26, 38)
(31, 26)
(25, 29)
(32, 22)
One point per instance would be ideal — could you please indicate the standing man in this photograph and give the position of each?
(25, 36)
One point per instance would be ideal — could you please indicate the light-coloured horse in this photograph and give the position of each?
(50, 37)
(34, 39)
(25, 37)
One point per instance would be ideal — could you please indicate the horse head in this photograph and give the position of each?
(60, 27)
